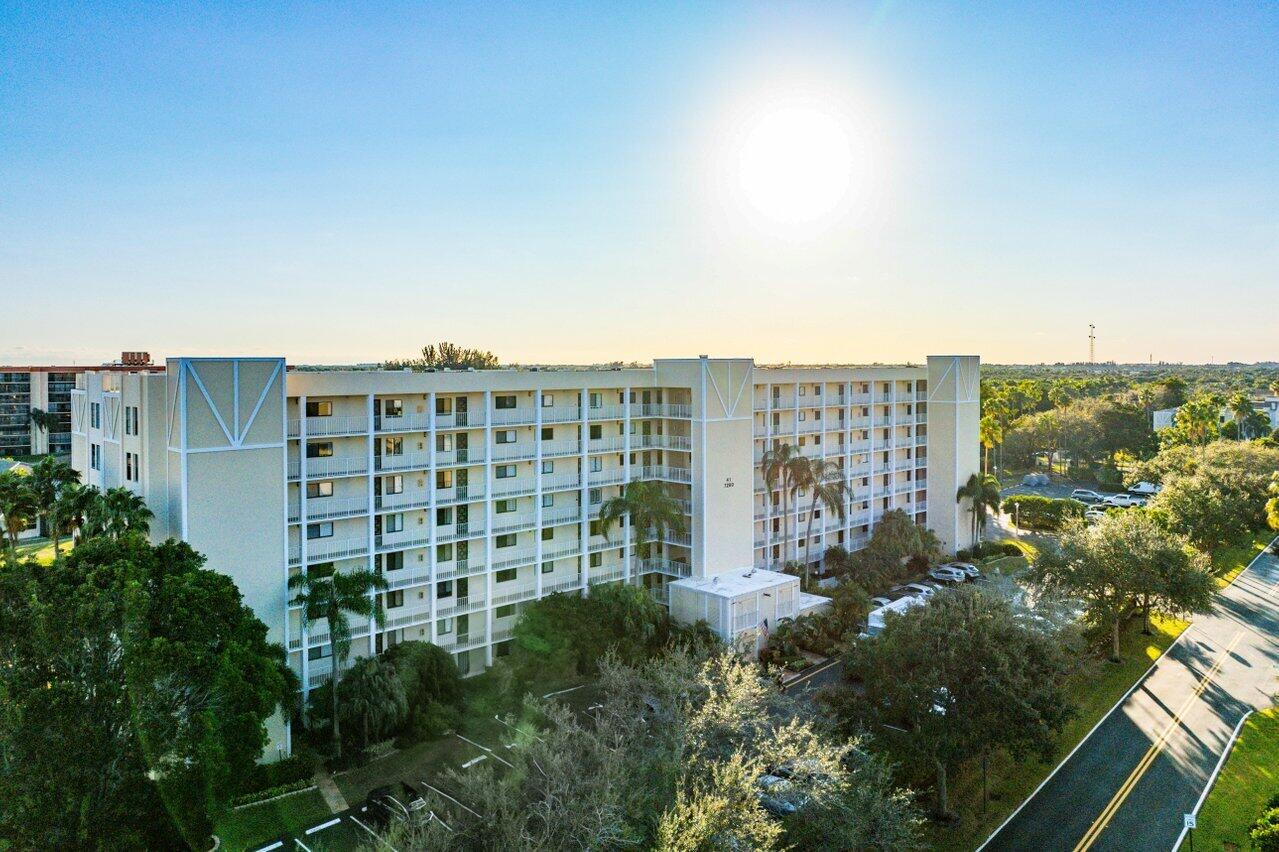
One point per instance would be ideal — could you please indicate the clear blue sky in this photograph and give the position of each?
(339, 182)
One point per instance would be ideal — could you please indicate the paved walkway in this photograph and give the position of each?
(1128, 784)
(332, 795)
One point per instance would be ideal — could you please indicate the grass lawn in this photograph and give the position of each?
(1094, 691)
(258, 823)
(41, 549)
(1229, 562)
(1247, 781)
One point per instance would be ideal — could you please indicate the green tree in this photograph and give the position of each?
(333, 598)
(72, 508)
(1197, 422)
(1241, 409)
(118, 512)
(373, 700)
(432, 685)
(825, 479)
(991, 433)
(42, 419)
(779, 467)
(1125, 560)
(982, 494)
(1000, 688)
(897, 547)
(446, 356)
(18, 506)
(49, 478)
(652, 511)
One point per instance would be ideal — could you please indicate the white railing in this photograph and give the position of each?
(511, 452)
(515, 596)
(466, 455)
(406, 500)
(514, 487)
(566, 515)
(660, 409)
(502, 524)
(459, 494)
(337, 466)
(563, 586)
(506, 557)
(459, 532)
(321, 548)
(562, 552)
(665, 566)
(561, 481)
(607, 576)
(662, 442)
(460, 420)
(606, 445)
(561, 414)
(405, 423)
(607, 412)
(607, 477)
(404, 461)
(677, 474)
(324, 508)
(513, 416)
(561, 448)
(401, 540)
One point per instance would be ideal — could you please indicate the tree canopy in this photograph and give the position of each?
(446, 356)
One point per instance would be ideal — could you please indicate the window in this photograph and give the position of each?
(504, 540)
(444, 516)
(548, 500)
(444, 479)
(596, 560)
(548, 567)
(443, 405)
(597, 464)
(596, 496)
(319, 450)
(95, 456)
(503, 507)
(504, 436)
(319, 488)
(548, 466)
(393, 407)
(595, 527)
(395, 599)
(506, 575)
(392, 485)
(444, 443)
(504, 611)
(319, 409)
(392, 446)
(321, 652)
(504, 471)
(324, 530)
(131, 471)
(548, 433)
(548, 400)
(444, 553)
(131, 420)
(443, 627)
(95, 415)
(394, 560)
(597, 431)
(444, 589)
(548, 533)
(803, 390)
(394, 523)
(597, 400)
(504, 401)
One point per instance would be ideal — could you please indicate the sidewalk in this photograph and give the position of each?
(332, 795)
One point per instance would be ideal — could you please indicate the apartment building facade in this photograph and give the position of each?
(473, 493)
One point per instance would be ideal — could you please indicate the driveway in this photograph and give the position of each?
(1128, 784)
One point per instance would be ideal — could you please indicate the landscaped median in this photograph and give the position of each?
(1246, 783)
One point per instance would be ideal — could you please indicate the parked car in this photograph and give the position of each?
(1085, 495)
(968, 568)
(1092, 516)
(923, 590)
(780, 796)
(1145, 489)
(1124, 501)
(947, 574)
(1035, 480)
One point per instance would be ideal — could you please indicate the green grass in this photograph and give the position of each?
(1229, 562)
(1094, 691)
(257, 823)
(41, 549)
(1247, 781)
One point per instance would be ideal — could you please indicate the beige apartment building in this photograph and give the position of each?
(473, 493)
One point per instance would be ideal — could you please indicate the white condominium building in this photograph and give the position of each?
(475, 492)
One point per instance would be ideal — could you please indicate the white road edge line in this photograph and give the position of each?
(564, 691)
(1212, 779)
(1121, 700)
(313, 829)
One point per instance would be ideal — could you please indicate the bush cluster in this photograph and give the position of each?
(1265, 831)
(1047, 514)
(984, 549)
(270, 792)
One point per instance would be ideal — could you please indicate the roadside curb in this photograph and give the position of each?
(1212, 779)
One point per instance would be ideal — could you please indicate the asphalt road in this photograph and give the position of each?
(1130, 781)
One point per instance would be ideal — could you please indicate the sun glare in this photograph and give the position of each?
(796, 163)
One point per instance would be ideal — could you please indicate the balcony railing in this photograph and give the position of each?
(337, 466)
(661, 409)
(319, 549)
(406, 500)
(460, 420)
(606, 445)
(561, 414)
(323, 426)
(552, 449)
(405, 461)
(513, 416)
(327, 508)
(403, 423)
(466, 455)
(514, 452)
(561, 481)
(515, 487)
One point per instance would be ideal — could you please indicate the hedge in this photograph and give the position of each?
(271, 793)
(1033, 512)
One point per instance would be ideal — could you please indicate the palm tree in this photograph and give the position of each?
(780, 465)
(374, 697)
(653, 513)
(74, 505)
(992, 434)
(49, 478)
(331, 597)
(982, 492)
(1241, 408)
(118, 512)
(18, 506)
(826, 478)
(42, 419)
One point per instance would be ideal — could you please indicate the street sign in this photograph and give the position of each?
(1190, 821)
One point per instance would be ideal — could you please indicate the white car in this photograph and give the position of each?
(1145, 489)
(881, 601)
(1124, 501)
(1084, 495)
(968, 568)
(1092, 516)
(947, 574)
(923, 590)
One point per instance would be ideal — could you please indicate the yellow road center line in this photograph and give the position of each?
(1094, 831)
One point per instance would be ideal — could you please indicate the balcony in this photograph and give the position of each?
(508, 557)
(662, 442)
(517, 595)
(612, 476)
(673, 474)
(504, 524)
(465, 455)
(404, 423)
(564, 552)
(460, 568)
(404, 461)
(513, 417)
(459, 494)
(323, 549)
(606, 445)
(332, 466)
(401, 540)
(668, 567)
(325, 426)
(564, 515)
(399, 502)
(561, 482)
(459, 532)
(561, 414)
(563, 585)
(459, 420)
(553, 449)
(514, 452)
(607, 576)
(460, 606)
(661, 409)
(516, 487)
(607, 412)
(328, 508)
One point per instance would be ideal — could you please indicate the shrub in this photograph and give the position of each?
(1265, 831)
(300, 766)
(1042, 513)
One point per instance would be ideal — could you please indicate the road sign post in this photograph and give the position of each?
(1190, 830)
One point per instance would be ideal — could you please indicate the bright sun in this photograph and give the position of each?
(797, 164)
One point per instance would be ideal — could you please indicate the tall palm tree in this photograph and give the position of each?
(653, 513)
(1241, 408)
(826, 479)
(118, 512)
(982, 493)
(42, 419)
(49, 477)
(780, 465)
(332, 597)
(72, 509)
(18, 506)
(992, 434)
